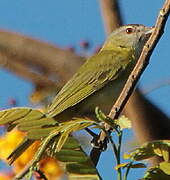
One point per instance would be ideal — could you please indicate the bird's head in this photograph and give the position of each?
(129, 36)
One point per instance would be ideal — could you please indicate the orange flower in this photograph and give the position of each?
(10, 140)
(51, 168)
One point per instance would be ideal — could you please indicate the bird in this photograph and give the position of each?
(97, 83)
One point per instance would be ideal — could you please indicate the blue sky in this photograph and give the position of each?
(64, 23)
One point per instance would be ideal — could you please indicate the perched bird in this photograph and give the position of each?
(98, 82)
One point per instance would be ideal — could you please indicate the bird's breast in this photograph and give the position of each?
(103, 98)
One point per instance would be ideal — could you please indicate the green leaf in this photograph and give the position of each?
(39, 133)
(150, 149)
(80, 168)
(99, 114)
(68, 127)
(71, 143)
(62, 140)
(155, 173)
(76, 162)
(13, 114)
(83, 177)
(26, 126)
(27, 120)
(142, 153)
(103, 118)
(36, 124)
(32, 115)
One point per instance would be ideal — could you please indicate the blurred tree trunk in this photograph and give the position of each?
(111, 15)
(149, 122)
(38, 57)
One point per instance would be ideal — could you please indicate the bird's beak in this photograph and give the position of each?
(146, 33)
(149, 30)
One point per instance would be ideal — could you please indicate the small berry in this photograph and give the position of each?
(84, 44)
(12, 102)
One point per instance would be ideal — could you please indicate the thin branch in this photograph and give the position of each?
(139, 68)
(142, 62)
(112, 19)
(137, 106)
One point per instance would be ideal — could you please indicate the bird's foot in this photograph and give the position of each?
(96, 142)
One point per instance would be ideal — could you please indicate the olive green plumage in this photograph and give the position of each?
(97, 83)
(98, 71)
(100, 80)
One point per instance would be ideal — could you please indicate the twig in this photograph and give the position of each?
(142, 62)
(112, 19)
(140, 66)
(127, 171)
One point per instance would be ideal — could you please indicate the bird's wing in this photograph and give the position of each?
(93, 75)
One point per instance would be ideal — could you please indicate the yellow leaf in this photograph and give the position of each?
(157, 151)
(165, 152)
(120, 166)
(155, 173)
(126, 156)
(165, 167)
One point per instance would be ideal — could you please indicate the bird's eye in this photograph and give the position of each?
(129, 30)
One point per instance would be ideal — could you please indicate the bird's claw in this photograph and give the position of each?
(96, 143)
(102, 145)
